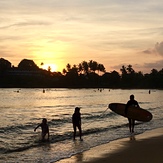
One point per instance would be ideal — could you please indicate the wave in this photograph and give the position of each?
(67, 118)
(55, 138)
(34, 141)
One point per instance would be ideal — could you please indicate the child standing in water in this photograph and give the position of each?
(76, 121)
(44, 127)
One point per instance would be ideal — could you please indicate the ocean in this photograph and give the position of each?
(21, 110)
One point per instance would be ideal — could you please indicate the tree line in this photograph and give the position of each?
(83, 75)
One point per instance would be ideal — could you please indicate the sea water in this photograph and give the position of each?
(21, 110)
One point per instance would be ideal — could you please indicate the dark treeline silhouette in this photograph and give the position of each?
(84, 75)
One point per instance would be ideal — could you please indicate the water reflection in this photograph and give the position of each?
(132, 138)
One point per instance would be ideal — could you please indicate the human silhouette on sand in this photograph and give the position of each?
(131, 102)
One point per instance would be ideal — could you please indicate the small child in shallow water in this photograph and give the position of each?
(44, 127)
(76, 121)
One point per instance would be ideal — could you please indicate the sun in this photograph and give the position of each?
(52, 67)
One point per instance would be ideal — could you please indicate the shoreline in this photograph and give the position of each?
(145, 147)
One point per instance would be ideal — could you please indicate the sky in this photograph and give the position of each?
(58, 32)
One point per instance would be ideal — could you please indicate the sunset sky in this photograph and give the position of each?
(113, 33)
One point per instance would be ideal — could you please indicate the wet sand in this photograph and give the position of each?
(143, 148)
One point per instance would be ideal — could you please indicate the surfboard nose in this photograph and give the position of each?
(112, 106)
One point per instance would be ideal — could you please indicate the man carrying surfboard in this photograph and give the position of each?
(131, 102)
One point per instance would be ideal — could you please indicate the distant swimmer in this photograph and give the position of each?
(44, 127)
(76, 121)
(17, 90)
(131, 102)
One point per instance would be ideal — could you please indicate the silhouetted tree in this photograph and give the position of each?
(123, 70)
(68, 66)
(153, 78)
(49, 68)
(72, 77)
(93, 65)
(80, 68)
(160, 76)
(130, 69)
(82, 75)
(161, 72)
(64, 71)
(154, 72)
(84, 67)
(100, 67)
(27, 64)
(111, 80)
(4, 65)
(128, 76)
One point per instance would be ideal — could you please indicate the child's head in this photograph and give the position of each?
(44, 120)
(131, 97)
(77, 110)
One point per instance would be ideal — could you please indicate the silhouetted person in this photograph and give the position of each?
(76, 121)
(131, 102)
(44, 127)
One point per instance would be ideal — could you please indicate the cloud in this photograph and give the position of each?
(6, 53)
(145, 68)
(159, 48)
(148, 51)
(155, 65)
(30, 23)
(12, 38)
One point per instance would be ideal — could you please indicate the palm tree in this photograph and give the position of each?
(49, 68)
(80, 68)
(130, 69)
(123, 70)
(93, 65)
(85, 67)
(100, 67)
(68, 67)
(64, 71)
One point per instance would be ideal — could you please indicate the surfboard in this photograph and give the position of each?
(136, 113)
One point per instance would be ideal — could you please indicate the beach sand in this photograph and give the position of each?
(142, 148)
